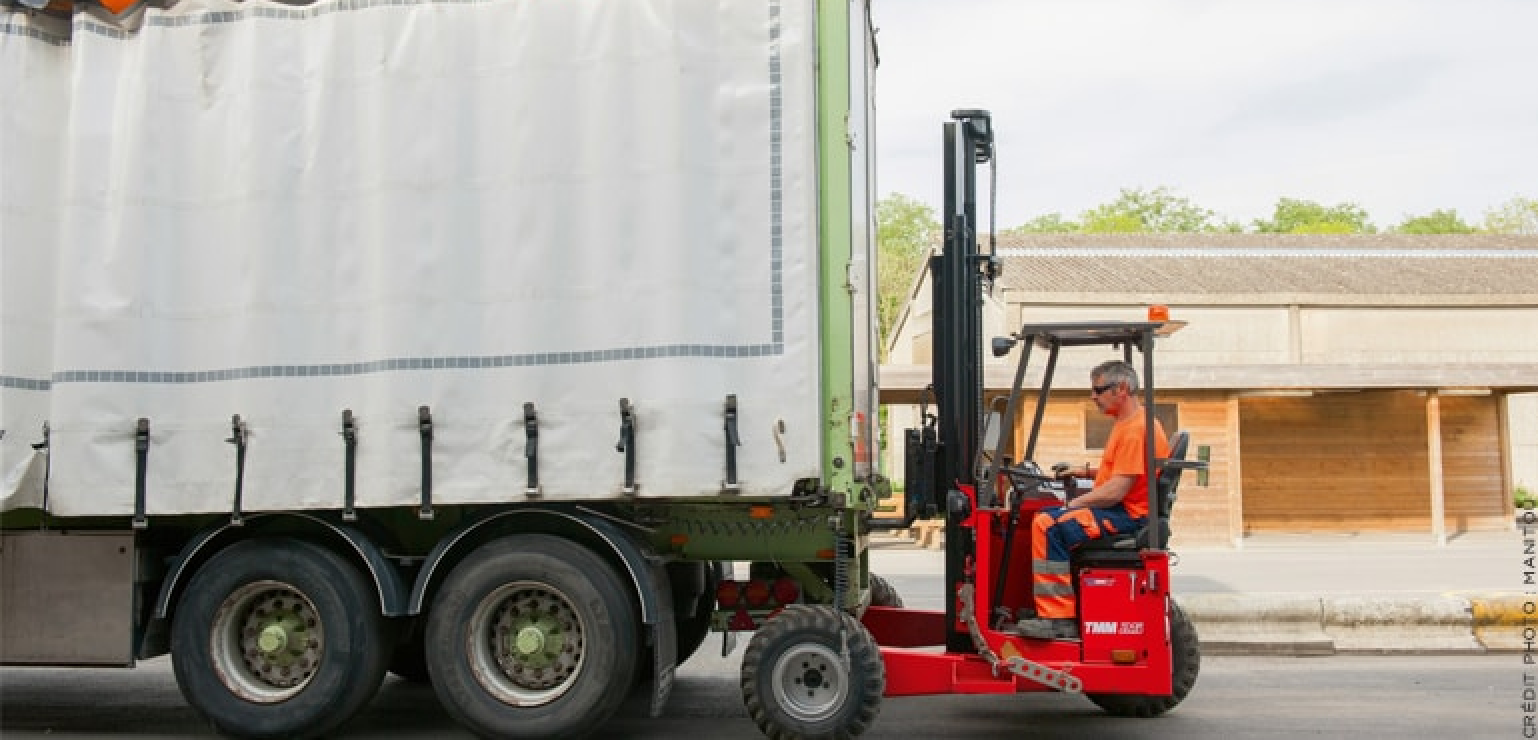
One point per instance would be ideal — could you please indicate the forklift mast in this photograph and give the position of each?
(958, 276)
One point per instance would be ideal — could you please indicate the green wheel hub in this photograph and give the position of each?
(527, 643)
(267, 641)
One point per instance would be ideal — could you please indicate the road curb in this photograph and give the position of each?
(1395, 624)
(1505, 622)
(1326, 624)
(1263, 624)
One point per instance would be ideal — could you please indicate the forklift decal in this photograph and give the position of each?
(1113, 628)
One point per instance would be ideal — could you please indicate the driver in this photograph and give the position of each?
(1117, 504)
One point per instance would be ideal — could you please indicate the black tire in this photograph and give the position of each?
(278, 638)
(883, 593)
(1186, 654)
(409, 661)
(795, 684)
(573, 639)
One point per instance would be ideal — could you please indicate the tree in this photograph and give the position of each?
(1516, 216)
(1436, 222)
(906, 231)
(1049, 223)
(1293, 216)
(1139, 210)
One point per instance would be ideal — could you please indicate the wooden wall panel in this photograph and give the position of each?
(1335, 462)
(1202, 514)
(1472, 470)
(1332, 462)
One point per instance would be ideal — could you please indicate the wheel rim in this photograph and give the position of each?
(267, 642)
(526, 644)
(809, 682)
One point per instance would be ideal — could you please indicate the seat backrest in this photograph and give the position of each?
(1169, 475)
(1166, 484)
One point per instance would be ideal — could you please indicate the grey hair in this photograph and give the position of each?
(1115, 371)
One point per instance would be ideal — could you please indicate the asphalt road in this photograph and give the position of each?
(1469, 696)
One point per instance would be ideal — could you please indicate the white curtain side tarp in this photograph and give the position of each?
(282, 212)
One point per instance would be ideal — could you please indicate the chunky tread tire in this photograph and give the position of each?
(1186, 654)
(883, 593)
(351, 637)
(598, 620)
(798, 650)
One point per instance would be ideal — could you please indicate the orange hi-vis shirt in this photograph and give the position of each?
(1124, 456)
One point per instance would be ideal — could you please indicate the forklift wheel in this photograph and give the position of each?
(1185, 654)
(883, 593)
(812, 672)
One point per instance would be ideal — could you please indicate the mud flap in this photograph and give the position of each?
(664, 641)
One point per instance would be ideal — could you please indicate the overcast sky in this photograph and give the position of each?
(1400, 106)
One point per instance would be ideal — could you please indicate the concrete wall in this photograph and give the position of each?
(1522, 420)
(1422, 335)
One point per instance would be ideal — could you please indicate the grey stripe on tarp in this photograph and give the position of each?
(775, 347)
(399, 364)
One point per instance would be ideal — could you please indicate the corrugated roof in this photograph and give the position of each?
(904, 383)
(1476, 265)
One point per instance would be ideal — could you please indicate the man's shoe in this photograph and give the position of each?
(1048, 629)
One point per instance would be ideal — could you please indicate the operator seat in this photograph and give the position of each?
(1166, 483)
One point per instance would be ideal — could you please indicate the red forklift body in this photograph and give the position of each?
(1125, 638)
(1136, 653)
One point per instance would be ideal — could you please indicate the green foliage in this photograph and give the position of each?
(1138, 210)
(1436, 222)
(906, 230)
(1516, 216)
(1105, 219)
(1050, 223)
(1524, 498)
(1293, 216)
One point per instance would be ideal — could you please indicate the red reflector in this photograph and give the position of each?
(786, 590)
(757, 593)
(742, 621)
(728, 593)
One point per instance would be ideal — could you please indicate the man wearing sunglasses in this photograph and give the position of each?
(1117, 504)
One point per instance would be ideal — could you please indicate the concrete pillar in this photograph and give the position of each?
(1508, 485)
(1235, 475)
(1434, 458)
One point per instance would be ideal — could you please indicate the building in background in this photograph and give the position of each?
(1337, 383)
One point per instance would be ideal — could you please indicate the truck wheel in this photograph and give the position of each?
(796, 683)
(532, 636)
(1186, 655)
(883, 593)
(278, 638)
